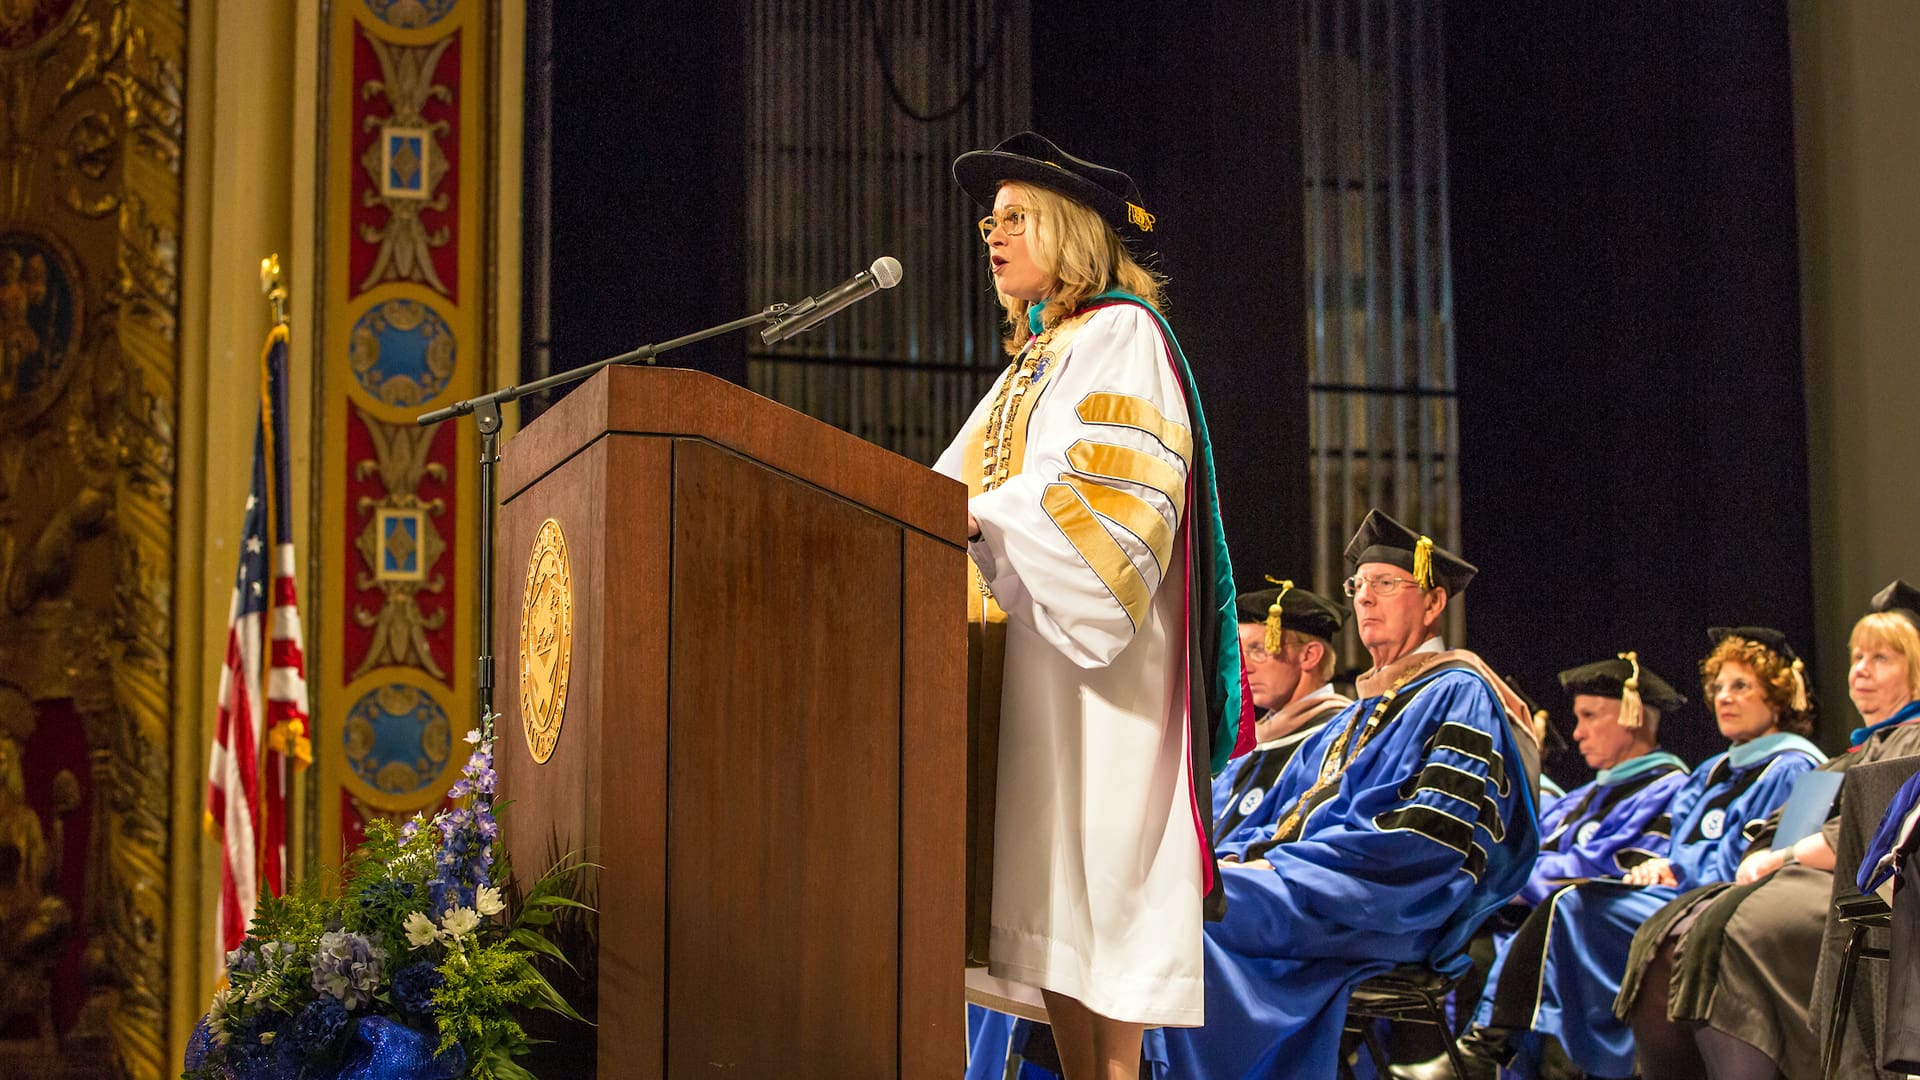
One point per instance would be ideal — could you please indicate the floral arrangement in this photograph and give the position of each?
(413, 969)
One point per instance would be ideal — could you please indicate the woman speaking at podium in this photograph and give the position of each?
(1101, 611)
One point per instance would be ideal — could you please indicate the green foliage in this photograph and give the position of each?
(350, 937)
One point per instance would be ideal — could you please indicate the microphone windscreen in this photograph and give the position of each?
(885, 271)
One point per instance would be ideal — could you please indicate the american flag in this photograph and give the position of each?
(262, 724)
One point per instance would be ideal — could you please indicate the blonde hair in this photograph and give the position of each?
(1886, 629)
(1080, 252)
(1328, 658)
(1775, 672)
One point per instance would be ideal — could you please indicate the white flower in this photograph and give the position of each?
(217, 1015)
(488, 901)
(473, 736)
(420, 930)
(459, 922)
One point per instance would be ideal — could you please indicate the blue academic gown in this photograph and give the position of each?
(1604, 828)
(1565, 965)
(1431, 828)
(1244, 807)
(1600, 829)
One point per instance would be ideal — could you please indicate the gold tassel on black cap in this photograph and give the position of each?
(1800, 703)
(1631, 710)
(1423, 562)
(1274, 640)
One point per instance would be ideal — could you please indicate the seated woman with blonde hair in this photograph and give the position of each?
(1721, 986)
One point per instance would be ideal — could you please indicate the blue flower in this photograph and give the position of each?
(246, 1052)
(413, 988)
(319, 1026)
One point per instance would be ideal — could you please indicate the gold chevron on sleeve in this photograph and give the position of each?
(1130, 512)
(1105, 461)
(1099, 549)
(1126, 410)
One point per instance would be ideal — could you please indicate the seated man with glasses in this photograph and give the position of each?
(1286, 647)
(1399, 827)
(1598, 830)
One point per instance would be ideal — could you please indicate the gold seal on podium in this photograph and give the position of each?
(546, 641)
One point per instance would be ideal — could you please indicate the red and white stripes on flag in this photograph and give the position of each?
(262, 724)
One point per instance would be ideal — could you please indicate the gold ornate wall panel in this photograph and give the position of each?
(90, 195)
(405, 233)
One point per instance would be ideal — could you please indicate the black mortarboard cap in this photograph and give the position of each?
(1551, 740)
(1901, 599)
(1777, 641)
(1759, 635)
(1302, 610)
(1028, 158)
(1384, 540)
(1608, 679)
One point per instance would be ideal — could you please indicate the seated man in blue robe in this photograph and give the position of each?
(1286, 646)
(1406, 821)
(1567, 964)
(1598, 830)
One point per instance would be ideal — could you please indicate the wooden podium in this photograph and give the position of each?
(764, 736)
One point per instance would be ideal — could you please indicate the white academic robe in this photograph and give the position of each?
(1097, 877)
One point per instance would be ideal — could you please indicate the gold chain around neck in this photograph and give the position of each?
(996, 454)
(1336, 762)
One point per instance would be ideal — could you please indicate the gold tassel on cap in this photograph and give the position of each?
(1423, 562)
(1800, 703)
(1274, 640)
(1631, 710)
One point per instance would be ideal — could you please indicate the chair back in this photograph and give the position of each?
(1864, 799)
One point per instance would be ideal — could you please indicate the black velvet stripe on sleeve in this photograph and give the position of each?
(1456, 783)
(1472, 742)
(1436, 825)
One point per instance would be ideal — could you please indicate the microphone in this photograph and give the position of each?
(805, 315)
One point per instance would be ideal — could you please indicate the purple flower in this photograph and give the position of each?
(465, 857)
(243, 961)
(348, 967)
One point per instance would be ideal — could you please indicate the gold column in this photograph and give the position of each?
(90, 204)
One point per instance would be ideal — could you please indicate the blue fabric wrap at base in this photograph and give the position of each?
(379, 1049)
(1211, 603)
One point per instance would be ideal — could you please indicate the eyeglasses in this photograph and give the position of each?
(1012, 221)
(1737, 688)
(1381, 586)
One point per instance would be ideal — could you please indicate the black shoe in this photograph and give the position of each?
(1482, 1051)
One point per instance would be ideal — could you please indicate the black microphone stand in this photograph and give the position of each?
(486, 416)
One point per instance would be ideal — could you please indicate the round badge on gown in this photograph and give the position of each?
(1713, 824)
(1252, 801)
(1585, 835)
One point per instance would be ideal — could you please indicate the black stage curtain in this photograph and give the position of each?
(1633, 434)
(1200, 104)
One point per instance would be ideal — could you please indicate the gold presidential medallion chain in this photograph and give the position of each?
(996, 451)
(1336, 762)
(996, 454)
